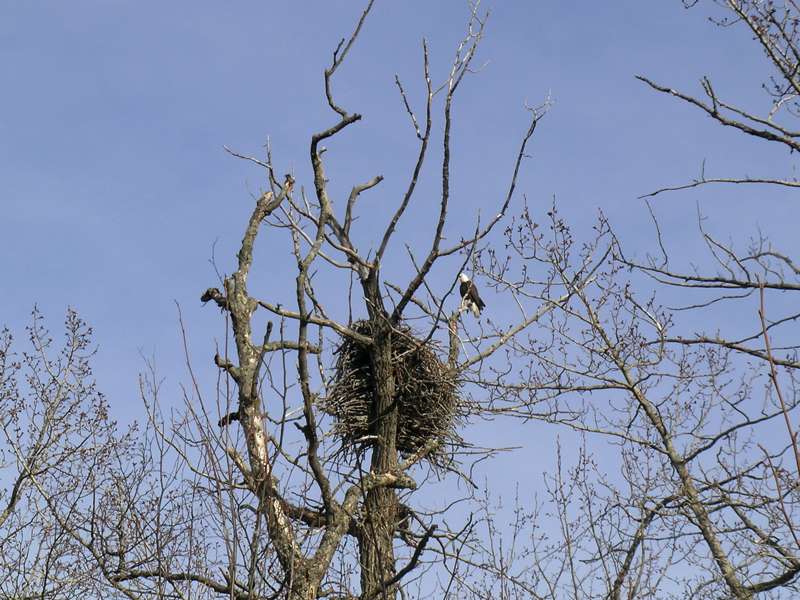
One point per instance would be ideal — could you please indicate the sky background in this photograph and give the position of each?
(114, 185)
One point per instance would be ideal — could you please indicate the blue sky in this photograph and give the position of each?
(114, 185)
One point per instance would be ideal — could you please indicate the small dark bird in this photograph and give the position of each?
(470, 298)
(228, 419)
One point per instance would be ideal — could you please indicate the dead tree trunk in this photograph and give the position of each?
(380, 507)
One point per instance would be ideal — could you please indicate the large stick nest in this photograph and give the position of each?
(426, 393)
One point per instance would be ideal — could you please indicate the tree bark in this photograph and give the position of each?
(381, 506)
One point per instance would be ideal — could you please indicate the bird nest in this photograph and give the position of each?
(426, 393)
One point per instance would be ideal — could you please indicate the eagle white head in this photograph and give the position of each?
(463, 277)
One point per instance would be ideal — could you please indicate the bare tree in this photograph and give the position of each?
(56, 438)
(367, 506)
(260, 500)
(689, 371)
(257, 489)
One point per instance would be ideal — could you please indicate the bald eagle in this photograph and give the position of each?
(469, 296)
